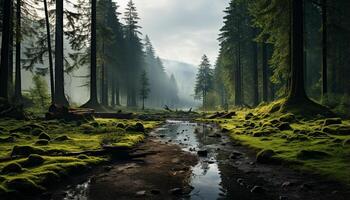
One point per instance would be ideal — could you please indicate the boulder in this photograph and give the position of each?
(138, 127)
(12, 168)
(266, 157)
(311, 154)
(346, 142)
(337, 129)
(248, 116)
(24, 186)
(36, 131)
(120, 125)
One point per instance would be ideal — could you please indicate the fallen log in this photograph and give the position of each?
(114, 115)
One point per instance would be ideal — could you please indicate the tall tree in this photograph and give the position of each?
(93, 101)
(204, 80)
(4, 64)
(255, 70)
(47, 22)
(18, 81)
(60, 97)
(145, 90)
(324, 50)
(265, 73)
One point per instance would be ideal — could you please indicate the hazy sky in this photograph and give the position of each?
(181, 30)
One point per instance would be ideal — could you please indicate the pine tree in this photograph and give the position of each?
(145, 90)
(204, 80)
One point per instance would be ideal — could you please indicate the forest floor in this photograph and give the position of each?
(288, 155)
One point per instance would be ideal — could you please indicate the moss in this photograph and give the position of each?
(62, 138)
(83, 157)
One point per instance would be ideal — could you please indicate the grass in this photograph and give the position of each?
(72, 137)
(305, 134)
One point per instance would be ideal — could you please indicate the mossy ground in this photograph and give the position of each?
(259, 129)
(64, 137)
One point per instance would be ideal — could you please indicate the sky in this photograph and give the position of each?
(181, 30)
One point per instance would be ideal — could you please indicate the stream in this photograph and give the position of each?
(213, 177)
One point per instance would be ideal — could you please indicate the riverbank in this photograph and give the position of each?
(37, 155)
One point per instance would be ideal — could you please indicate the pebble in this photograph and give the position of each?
(141, 193)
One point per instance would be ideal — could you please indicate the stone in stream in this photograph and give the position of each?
(176, 191)
(202, 153)
(141, 193)
(283, 198)
(258, 189)
(235, 155)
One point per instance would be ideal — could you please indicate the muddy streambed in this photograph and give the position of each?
(196, 161)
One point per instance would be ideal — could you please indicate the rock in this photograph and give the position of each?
(225, 130)
(240, 181)
(286, 184)
(120, 125)
(337, 129)
(12, 168)
(7, 139)
(202, 153)
(176, 191)
(138, 127)
(266, 156)
(162, 136)
(33, 160)
(44, 136)
(258, 190)
(235, 155)
(283, 198)
(108, 168)
(42, 142)
(155, 192)
(311, 154)
(36, 131)
(318, 134)
(332, 121)
(62, 138)
(26, 151)
(83, 157)
(24, 186)
(228, 115)
(248, 116)
(141, 193)
(22, 129)
(215, 135)
(284, 126)
(346, 142)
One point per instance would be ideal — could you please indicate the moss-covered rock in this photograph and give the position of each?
(248, 116)
(346, 142)
(36, 131)
(7, 139)
(138, 127)
(26, 151)
(311, 154)
(318, 134)
(44, 136)
(42, 142)
(298, 138)
(83, 157)
(266, 156)
(33, 161)
(22, 129)
(287, 118)
(62, 138)
(284, 126)
(120, 125)
(12, 168)
(332, 121)
(337, 129)
(23, 186)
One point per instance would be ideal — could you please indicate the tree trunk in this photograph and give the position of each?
(18, 81)
(117, 96)
(255, 71)
(10, 81)
(60, 97)
(112, 82)
(297, 88)
(324, 49)
(93, 101)
(265, 77)
(4, 63)
(48, 33)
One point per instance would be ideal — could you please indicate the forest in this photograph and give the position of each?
(95, 101)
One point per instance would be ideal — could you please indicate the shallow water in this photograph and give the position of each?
(214, 176)
(192, 137)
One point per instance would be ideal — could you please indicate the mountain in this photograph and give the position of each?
(185, 75)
